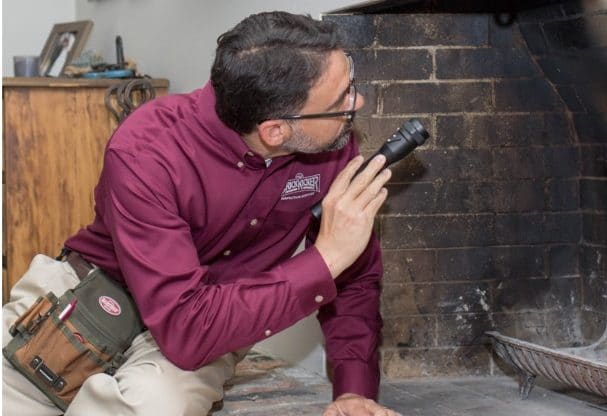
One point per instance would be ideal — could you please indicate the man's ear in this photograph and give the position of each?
(274, 133)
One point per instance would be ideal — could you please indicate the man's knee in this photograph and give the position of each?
(146, 389)
(154, 390)
(21, 397)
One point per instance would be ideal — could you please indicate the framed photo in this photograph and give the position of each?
(64, 43)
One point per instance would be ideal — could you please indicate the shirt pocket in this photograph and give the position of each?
(287, 219)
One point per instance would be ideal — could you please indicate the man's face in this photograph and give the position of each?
(333, 92)
(303, 143)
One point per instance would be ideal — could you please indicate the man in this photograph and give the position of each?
(202, 200)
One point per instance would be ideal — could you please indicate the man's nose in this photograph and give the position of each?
(360, 101)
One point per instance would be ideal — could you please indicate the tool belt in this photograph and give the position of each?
(60, 341)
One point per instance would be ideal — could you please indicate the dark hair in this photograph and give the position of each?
(265, 66)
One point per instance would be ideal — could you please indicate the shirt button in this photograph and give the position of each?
(268, 332)
(227, 252)
(240, 165)
(253, 222)
(318, 299)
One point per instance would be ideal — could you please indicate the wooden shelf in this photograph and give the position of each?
(49, 82)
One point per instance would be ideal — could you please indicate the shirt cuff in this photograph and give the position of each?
(356, 377)
(310, 280)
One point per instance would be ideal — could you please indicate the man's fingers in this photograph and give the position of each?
(348, 185)
(343, 179)
(385, 412)
(353, 405)
(364, 178)
(331, 411)
(379, 410)
(375, 204)
(371, 192)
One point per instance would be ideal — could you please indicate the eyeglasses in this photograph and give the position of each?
(349, 114)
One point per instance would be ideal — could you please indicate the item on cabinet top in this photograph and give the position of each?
(121, 99)
(110, 73)
(121, 69)
(64, 43)
(26, 65)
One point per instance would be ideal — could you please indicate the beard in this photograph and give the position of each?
(302, 143)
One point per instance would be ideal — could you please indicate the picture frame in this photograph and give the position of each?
(64, 43)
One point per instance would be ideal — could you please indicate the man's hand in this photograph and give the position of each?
(348, 211)
(354, 405)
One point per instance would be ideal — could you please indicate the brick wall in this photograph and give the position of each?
(498, 221)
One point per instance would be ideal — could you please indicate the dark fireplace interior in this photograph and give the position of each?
(499, 221)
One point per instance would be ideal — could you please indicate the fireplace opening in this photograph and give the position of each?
(499, 222)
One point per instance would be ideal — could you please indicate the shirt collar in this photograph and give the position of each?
(218, 131)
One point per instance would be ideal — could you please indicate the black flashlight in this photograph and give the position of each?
(410, 135)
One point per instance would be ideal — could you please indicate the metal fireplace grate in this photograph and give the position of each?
(584, 368)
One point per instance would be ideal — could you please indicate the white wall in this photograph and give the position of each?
(176, 39)
(27, 23)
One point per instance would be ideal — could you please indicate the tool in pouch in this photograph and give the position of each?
(59, 342)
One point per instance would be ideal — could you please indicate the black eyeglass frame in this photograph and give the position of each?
(349, 114)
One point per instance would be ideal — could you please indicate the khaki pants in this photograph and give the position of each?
(147, 384)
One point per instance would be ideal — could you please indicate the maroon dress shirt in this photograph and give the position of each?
(202, 230)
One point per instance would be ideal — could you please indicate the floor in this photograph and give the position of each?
(267, 386)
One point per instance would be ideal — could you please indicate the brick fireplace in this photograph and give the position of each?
(499, 222)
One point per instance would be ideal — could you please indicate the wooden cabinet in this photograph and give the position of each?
(55, 132)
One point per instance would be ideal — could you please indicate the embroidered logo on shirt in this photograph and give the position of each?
(301, 187)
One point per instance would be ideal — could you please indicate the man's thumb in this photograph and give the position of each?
(330, 411)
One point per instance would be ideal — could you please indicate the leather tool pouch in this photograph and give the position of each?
(58, 355)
